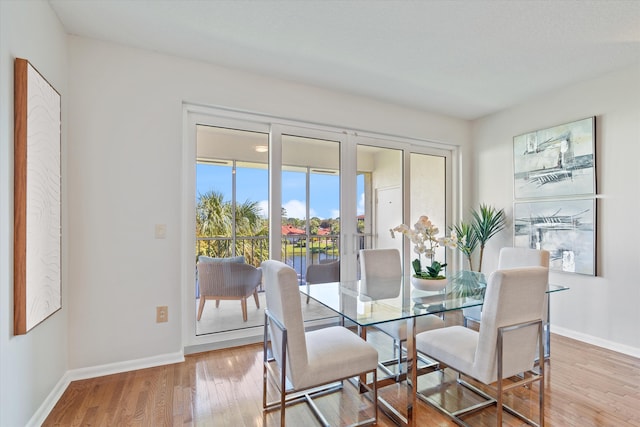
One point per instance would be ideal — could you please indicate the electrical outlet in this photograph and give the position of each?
(162, 314)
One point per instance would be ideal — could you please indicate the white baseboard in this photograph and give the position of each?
(127, 365)
(43, 411)
(589, 339)
(97, 371)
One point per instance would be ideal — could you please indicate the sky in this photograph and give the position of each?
(253, 185)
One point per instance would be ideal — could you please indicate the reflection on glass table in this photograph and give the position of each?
(372, 306)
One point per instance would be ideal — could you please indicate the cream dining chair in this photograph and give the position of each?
(380, 278)
(512, 258)
(505, 345)
(298, 363)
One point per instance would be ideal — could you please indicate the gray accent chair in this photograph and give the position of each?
(324, 272)
(303, 364)
(504, 348)
(227, 279)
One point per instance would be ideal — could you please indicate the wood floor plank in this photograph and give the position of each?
(585, 386)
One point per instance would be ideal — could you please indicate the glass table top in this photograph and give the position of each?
(389, 300)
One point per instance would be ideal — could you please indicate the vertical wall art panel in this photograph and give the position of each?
(37, 198)
(565, 228)
(555, 162)
(555, 169)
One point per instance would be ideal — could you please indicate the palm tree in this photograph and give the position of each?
(249, 223)
(213, 215)
(248, 219)
(214, 218)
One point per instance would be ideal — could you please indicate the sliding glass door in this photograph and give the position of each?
(428, 194)
(388, 195)
(310, 201)
(301, 195)
(232, 209)
(380, 195)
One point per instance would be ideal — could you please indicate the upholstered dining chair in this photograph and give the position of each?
(505, 345)
(323, 272)
(512, 258)
(221, 280)
(380, 278)
(298, 361)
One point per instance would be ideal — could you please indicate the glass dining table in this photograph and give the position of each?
(374, 304)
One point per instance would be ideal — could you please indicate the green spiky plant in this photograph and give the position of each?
(487, 222)
(467, 240)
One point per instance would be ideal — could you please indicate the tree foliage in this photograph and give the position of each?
(214, 218)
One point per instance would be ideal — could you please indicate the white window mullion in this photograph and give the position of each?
(275, 193)
(348, 209)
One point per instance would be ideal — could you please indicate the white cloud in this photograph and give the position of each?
(294, 208)
(263, 205)
(297, 209)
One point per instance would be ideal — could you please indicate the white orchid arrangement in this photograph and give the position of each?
(423, 236)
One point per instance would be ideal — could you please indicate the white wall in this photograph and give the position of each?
(30, 365)
(603, 309)
(125, 142)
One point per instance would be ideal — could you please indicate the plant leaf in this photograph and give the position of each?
(487, 222)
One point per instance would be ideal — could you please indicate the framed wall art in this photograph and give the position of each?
(37, 198)
(555, 162)
(565, 228)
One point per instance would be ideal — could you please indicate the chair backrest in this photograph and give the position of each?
(522, 257)
(512, 296)
(237, 259)
(323, 272)
(283, 302)
(227, 278)
(380, 273)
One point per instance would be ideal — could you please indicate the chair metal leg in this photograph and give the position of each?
(288, 397)
(265, 358)
(539, 377)
(501, 388)
(397, 352)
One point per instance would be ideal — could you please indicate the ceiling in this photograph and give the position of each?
(463, 58)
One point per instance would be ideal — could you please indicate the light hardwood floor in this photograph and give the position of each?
(585, 386)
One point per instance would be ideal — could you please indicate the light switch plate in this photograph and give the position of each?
(161, 231)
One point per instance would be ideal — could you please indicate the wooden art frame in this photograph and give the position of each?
(37, 199)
